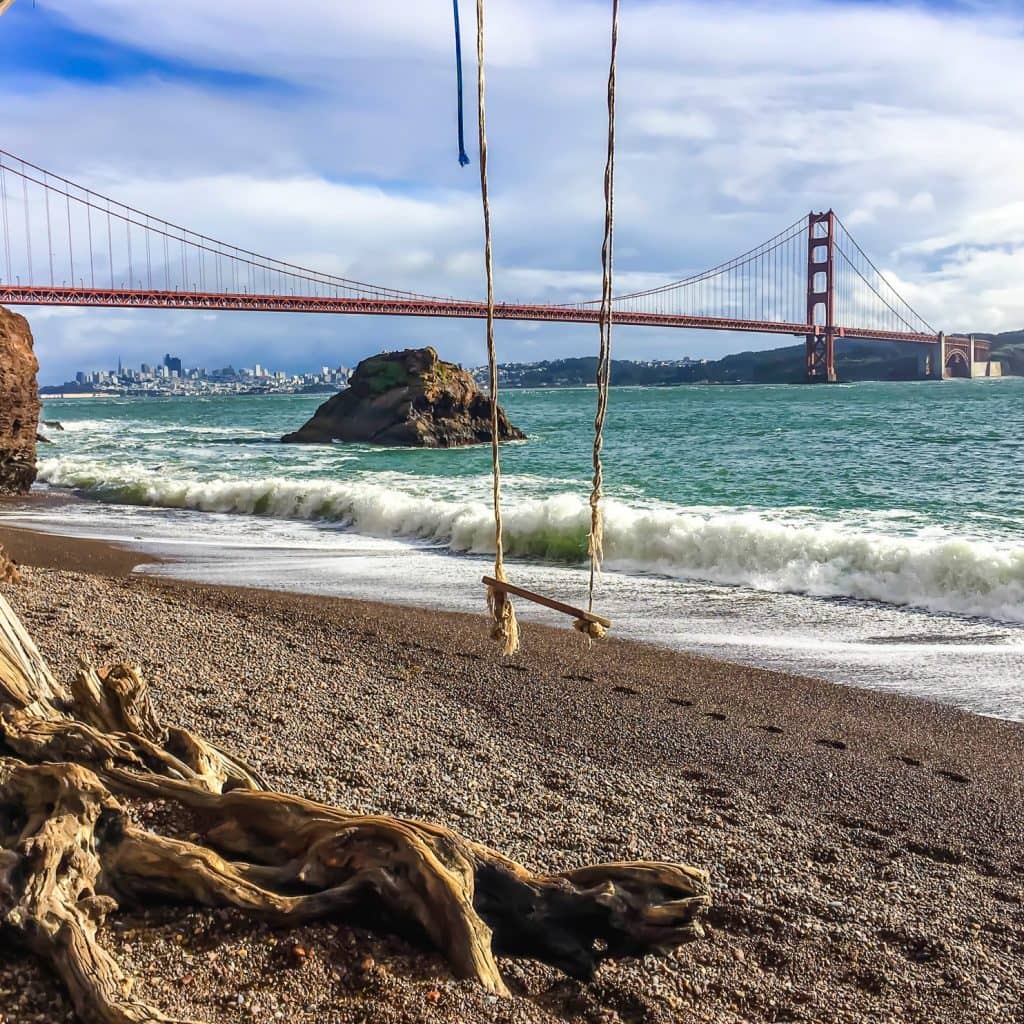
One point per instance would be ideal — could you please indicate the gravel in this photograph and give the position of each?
(865, 849)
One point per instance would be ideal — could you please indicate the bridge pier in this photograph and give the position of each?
(821, 250)
(964, 357)
(821, 358)
(938, 357)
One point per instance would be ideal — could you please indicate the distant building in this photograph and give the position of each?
(172, 364)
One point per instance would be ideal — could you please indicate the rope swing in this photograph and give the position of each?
(595, 544)
(505, 628)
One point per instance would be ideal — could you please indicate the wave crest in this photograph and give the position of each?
(821, 558)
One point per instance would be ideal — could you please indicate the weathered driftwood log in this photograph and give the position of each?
(70, 853)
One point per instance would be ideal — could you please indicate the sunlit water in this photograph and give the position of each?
(871, 534)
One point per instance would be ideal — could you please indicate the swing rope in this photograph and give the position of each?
(504, 628)
(595, 543)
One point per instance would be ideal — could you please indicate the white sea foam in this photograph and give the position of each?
(795, 554)
(84, 426)
(102, 430)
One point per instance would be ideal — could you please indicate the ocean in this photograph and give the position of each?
(871, 534)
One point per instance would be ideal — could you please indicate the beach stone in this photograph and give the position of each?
(408, 398)
(19, 404)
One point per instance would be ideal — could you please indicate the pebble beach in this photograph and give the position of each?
(864, 848)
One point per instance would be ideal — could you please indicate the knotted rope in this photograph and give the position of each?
(504, 628)
(463, 159)
(595, 543)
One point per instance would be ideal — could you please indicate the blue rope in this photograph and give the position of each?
(463, 159)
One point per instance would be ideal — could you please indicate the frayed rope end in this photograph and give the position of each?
(591, 630)
(505, 628)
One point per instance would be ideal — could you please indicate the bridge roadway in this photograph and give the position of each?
(425, 306)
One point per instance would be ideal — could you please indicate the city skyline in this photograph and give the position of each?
(172, 375)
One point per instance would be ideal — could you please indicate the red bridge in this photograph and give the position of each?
(65, 245)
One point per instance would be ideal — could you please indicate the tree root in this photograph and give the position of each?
(70, 853)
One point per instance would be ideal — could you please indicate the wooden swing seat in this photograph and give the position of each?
(547, 602)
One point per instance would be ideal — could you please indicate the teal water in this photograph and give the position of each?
(920, 486)
(776, 517)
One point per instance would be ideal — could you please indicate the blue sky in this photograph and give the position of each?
(327, 137)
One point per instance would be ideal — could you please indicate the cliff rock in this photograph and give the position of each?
(406, 398)
(19, 404)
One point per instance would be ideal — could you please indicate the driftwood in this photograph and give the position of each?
(70, 853)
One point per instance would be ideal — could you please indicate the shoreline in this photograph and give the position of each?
(107, 558)
(115, 555)
(864, 847)
(42, 550)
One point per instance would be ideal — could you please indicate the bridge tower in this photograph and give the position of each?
(821, 251)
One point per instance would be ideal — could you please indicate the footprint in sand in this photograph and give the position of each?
(834, 744)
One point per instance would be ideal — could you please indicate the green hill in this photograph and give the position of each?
(855, 360)
(1008, 347)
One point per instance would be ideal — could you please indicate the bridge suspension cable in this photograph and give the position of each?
(766, 284)
(122, 248)
(864, 297)
(64, 244)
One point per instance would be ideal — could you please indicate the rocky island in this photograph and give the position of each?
(410, 398)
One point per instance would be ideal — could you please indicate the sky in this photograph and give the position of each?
(323, 132)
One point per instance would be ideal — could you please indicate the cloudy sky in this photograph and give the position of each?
(323, 132)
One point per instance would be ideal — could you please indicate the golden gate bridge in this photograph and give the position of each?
(66, 245)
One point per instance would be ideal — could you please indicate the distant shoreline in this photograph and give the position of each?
(64, 395)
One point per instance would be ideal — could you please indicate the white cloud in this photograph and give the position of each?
(735, 118)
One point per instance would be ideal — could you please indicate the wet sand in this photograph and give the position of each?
(865, 849)
(72, 554)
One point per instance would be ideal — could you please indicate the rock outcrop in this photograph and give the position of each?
(409, 398)
(19, 404)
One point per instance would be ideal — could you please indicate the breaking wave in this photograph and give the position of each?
(937, 571)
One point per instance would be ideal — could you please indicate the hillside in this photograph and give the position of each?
(1009, 347)
(855, 360)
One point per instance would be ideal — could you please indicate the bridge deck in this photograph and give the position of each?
(427, 307)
